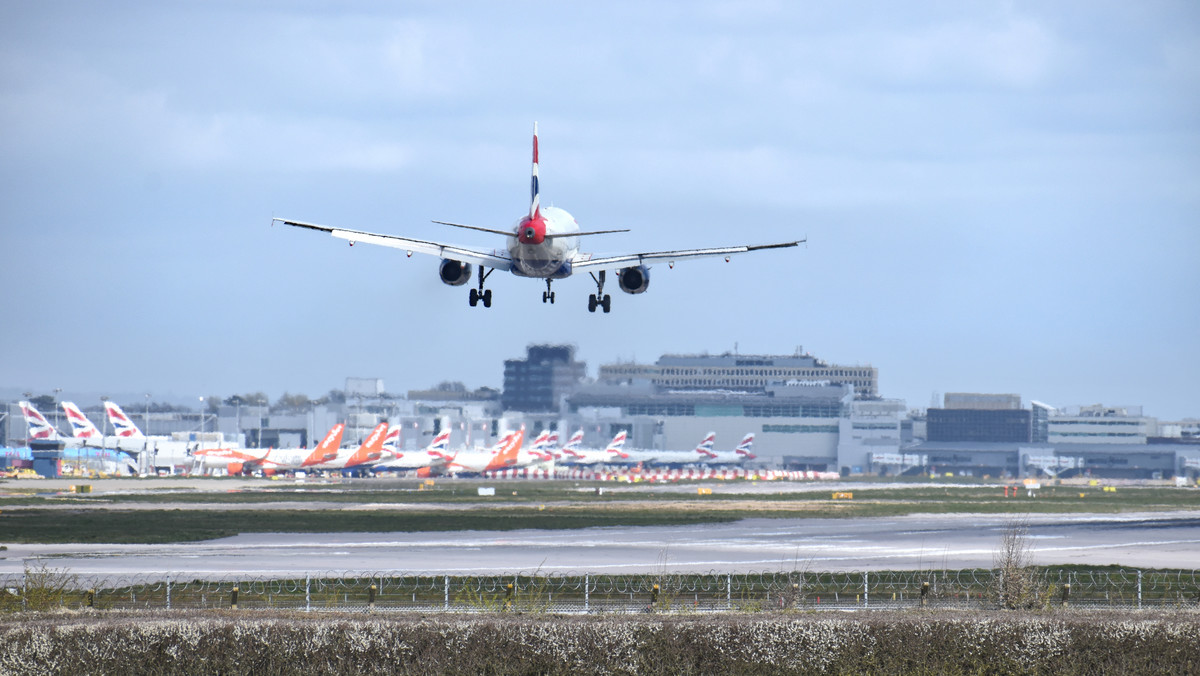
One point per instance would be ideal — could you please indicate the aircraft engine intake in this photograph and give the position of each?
(634, 279)
(454, 273)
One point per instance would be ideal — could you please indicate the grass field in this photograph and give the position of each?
(190, 515)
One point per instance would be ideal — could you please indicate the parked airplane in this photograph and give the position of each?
(573, 454)
(667, 458)
(737, 456)
(367, 454)
(435, 455)
(130, 438)
(81, 426)
(542, 452)
(506, 454)
(544, 244)
(291, 459)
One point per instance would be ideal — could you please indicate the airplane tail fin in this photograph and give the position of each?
(39, 427)
(614, 446)
(705, 447)
(371, 449)
(440, 444)
(533, 187)
(328, 448)
(81, 426)
(743, 449)
(391, 443)
(121, 422)
(574, 442)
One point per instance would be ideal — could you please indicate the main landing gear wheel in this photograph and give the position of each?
(481, 294)
(604, 302)
(599, 299)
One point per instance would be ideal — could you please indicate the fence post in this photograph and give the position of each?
(1066, 594)
(866, 594)
(233, 599)
(586, 593)
(446, 607)
(924, 594)
(729, 591)
(168, 592)
(371, 598)
(308, 593)
(1139, 589)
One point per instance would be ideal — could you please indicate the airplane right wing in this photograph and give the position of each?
(588, 262)
(497, 260)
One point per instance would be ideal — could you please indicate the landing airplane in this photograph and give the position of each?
(544, 244)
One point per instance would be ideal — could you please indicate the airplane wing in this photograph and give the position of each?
(497, 260)
(588, 262)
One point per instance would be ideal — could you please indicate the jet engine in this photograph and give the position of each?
(235, 468)
(634, 279)
(454, 273)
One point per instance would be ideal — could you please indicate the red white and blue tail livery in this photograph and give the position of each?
(121, 423)
(39, 427)
(544, 244)
(81, 426)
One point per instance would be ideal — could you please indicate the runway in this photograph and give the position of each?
(920, 541)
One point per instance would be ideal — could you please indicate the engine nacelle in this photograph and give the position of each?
(454, 273)
(634, 279)
(235, 468)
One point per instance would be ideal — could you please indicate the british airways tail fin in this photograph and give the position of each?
(81, 426)
(743, 448)
(533, 184)
(39, 427)
(121, 422)
(705, 447)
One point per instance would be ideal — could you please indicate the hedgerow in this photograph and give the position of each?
(918, 642)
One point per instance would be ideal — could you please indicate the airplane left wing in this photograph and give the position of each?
(588, 262)
(496, 260)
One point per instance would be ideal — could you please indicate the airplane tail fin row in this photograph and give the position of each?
(120, 422)
(81, 427)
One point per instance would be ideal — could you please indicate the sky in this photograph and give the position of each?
(998, 197)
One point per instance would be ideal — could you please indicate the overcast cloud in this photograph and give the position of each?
(999, 196)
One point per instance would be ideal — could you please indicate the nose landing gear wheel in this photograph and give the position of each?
(548, 295)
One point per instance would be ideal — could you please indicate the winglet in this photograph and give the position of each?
(533, 187)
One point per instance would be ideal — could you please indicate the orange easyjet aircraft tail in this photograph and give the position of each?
(328, 448)
(371, 450)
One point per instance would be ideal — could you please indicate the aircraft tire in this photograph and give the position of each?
(473, 297)
(487, 298)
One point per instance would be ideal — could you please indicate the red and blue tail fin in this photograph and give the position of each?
(121, 422)
(39, 427)
(533, 184)
(81, 426)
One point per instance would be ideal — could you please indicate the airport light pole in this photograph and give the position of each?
(201, 421)
(146, 418)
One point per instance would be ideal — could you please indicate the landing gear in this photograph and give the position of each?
(480, 294)
(599, 299)
(548, 295)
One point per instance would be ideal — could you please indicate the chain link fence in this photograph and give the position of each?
(45, 588)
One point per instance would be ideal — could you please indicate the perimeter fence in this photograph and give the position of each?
(391, 591)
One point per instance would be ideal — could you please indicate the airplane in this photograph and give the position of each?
(81, 426)
(572, 454)
(434, 456)
(667, 458)
(291, 459)
(368, 453)
(737, 456)
(130, 437)
(540, 453)
(544, 244)
(505, 454)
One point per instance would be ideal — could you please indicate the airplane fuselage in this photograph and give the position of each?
(542, 246)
